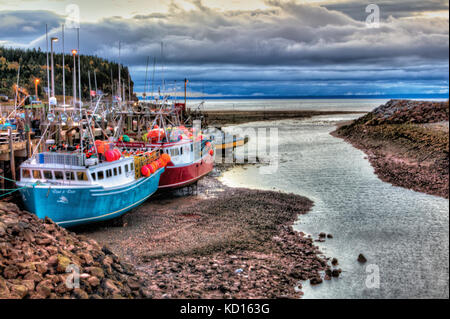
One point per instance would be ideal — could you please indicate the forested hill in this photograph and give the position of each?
(33, 64)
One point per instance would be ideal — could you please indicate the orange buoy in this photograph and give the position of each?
(208, 144)
(152, 168)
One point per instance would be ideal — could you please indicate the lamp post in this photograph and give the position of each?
(74, 53)
(36, 83)
(54, 39)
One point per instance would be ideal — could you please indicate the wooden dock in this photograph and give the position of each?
(14, 149)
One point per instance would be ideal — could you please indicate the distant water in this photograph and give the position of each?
(290, 104)
(405, 234)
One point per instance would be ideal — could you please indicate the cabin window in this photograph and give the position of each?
(82, 176)
(181, 150)
(126, 168)
(26, 173)
(108, 173)
(131, 166)
(192, 147)
(70, 176)
(100, 175)
(48, 175)
(115, 171)
(59, 175)
(94, 177)
(175, 151)
(37, 174)
(120, 170)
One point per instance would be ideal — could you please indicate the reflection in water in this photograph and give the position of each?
(405, 234)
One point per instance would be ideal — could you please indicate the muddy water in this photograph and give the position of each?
(403, 234)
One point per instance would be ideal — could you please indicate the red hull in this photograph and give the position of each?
(180, 176)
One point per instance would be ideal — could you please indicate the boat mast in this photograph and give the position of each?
(162, 68)
(145, 82)
(129, 86)
(48, 68)
(153, 77)
(79, 94)
(79, 68)
(119, 88)
(64, 70)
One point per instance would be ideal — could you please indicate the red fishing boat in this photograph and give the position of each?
(191, 157)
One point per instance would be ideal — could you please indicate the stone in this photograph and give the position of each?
(110, 285)
(63, 263)
(316, 281)
(96, 271)
(11, 272)
(19, 290)
(93, 281)
(41, 268)
(44, 288)
(80, 294)
(362, 259)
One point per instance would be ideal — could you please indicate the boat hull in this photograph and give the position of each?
(72, 206)
(184, 175)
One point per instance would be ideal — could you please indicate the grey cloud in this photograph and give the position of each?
(21, 27)
(394, 8)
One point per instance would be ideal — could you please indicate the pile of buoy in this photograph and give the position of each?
(151, 168)
(124, 138)
(112, 155)
(154, 135)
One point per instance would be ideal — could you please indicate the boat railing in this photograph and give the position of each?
(66, 159)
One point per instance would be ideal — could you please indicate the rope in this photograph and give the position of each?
(11, 180)
(18, 189)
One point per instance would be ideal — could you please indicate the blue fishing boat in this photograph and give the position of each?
(72, 190)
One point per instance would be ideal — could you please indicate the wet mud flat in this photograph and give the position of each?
(218, 243)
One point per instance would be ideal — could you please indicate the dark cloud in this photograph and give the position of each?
(394, 8)
(22, 27)
(287, 44)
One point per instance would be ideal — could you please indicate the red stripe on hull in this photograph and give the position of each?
(175, 177)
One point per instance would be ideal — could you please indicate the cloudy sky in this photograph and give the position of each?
(255, 47)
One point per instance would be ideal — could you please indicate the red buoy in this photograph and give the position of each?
(117, 154)
(211, 152)
(145, 171)
(110, 156)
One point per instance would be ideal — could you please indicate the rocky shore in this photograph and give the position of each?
(38, 258)
(407, 143)
(222, 243)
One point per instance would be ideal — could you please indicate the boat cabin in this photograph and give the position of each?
(106, 174)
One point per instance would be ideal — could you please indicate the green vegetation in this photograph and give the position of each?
(33, 64)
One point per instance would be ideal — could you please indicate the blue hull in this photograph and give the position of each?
(72, 206)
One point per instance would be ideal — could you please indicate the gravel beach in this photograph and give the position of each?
(221, 243)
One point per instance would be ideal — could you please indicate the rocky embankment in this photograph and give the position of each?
(35, 255)
(407, 143)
